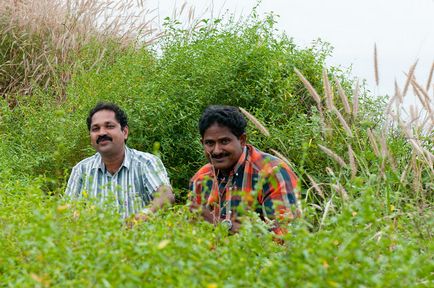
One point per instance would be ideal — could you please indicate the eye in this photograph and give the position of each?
(111, 126)
(208, 143)
(94, 129)
(225, 141)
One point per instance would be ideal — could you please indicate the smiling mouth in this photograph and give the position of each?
(219, 158)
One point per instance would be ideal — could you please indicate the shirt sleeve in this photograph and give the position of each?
(75, 182)
(195, 194)
(155, 175)
(280, 201)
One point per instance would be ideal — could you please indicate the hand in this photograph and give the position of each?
(207, 214)
(141, 217)
(134, 220)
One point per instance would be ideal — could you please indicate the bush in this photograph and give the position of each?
(366, 175)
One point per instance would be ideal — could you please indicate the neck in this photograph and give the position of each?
(113, 162)
(224, 173)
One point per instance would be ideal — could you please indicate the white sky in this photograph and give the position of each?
(403, 31)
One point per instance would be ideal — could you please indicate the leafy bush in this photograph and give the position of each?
(366, 175)
(49, 242)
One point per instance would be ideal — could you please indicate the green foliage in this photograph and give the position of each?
(244, 65)
(48, 242)
(367, 222)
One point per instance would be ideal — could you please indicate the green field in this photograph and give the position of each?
(365, 163)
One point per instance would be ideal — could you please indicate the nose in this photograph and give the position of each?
(217, 149)
(102, 131)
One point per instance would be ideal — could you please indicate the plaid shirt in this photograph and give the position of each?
(130, 189)
(258, 180)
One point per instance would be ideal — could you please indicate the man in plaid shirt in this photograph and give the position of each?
(239, 175)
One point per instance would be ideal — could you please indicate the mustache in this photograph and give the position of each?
(218, 156)
(102, 138)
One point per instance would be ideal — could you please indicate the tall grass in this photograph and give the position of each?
(41, 40)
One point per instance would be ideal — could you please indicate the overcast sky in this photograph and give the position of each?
(403, 31)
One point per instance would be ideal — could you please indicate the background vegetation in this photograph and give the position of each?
(365, 163)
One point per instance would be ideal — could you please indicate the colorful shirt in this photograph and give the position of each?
(258, 180)
(130, 189)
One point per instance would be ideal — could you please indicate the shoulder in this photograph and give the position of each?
(87, 163)
(261, 159)
(205, 171)
(266, 162)
(137, 156)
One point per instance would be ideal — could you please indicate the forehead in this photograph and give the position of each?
(103, 116)
(217, 131)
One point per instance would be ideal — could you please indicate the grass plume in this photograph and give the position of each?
(343, 96)
(356, 99)
(377, 77)
(429, 80)
(333, 155)
(410, 76)
(327, 89)
(343, 122)
(255, 122)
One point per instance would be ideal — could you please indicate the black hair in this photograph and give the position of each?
(120, 115)
(227, 116)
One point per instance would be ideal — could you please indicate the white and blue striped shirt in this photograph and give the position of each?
(131, 187)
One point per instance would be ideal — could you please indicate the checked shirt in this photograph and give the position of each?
(130, 189)
(258, 180)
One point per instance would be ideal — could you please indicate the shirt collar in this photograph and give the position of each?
(241, 160)
(99, 164)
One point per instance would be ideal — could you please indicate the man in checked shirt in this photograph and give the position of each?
(135, 181)
(239, 174)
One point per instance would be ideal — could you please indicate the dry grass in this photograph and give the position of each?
(255, 122)
(333, 155)
(316, 186)
(429, 81)
(356, 99)
(282, 157)
(343, 122)
(352, 159)
(416, 124)
(343, 96)
(41, 36)
(410, 76)
(314, 95)
(309, 88)
(373, 141)
(377, 77)
(327, 90)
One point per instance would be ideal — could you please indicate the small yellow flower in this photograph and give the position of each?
(163, 244)
(62, 208)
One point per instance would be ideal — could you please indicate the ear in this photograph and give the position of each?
(125, 131)
(243, 139)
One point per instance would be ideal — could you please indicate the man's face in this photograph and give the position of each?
(222, 148)
(106, 135)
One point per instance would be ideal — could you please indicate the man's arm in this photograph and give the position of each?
(163, 196)
(280, 199)
(75, 182)
(157, 181)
